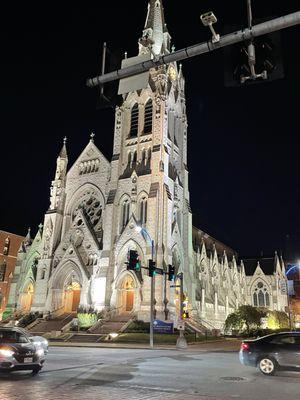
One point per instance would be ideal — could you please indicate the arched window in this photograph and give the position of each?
(134, 121)
(144, 156)
(134, 160)
(255, 301)
(2, 271)
(261, 297)
(6, 246)
(143, 210)
(148, 117)
(125, 213)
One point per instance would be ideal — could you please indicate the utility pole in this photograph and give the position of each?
(181, 341)
(201, 48)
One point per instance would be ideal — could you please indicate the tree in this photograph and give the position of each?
(245, 316)
(277, 320)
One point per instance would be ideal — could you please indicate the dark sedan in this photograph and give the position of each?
(272, 352)
(17, 352)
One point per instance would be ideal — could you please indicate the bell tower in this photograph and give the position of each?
(149, 176)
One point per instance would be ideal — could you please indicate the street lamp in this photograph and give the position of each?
(143, 231)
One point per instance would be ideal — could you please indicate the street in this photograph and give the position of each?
(107, 373)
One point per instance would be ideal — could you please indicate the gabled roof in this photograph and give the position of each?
(267, 265)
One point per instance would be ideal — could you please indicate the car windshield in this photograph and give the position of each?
(12, 337)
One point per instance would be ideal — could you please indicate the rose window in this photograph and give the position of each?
(92, 209)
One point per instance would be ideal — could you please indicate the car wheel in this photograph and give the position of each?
(36, 371)
(267, 365)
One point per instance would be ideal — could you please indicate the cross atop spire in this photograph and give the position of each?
(92, 135)
(63, 151)
(156, 28)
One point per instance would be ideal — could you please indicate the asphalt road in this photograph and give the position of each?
(92, 373)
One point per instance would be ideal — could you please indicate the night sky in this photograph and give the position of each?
(243, 155)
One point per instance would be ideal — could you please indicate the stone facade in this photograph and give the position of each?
(80, 255)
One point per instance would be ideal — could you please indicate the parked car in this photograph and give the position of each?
(272, 352)
(18, 352)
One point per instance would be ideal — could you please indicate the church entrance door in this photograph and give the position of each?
(129, 300)
(26, 298)
(72, 297)
(126, 295)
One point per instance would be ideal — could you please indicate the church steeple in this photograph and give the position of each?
(156, 29)
(58, 184)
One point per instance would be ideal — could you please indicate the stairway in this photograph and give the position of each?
(55, 324)
(115, 324)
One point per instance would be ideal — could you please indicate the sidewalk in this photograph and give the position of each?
(216, 345)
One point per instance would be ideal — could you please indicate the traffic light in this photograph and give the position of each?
(185, 314)
(268, 58)
(152, 268)
(171, 272)
(133, 261)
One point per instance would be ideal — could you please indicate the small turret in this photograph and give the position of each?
(58, 184)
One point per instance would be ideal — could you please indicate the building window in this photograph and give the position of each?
(6, 246)
(261, 297)
(125, 212)
(2, 271)
(143, 211)
(43, 274)
(134, 125)
(148, 117)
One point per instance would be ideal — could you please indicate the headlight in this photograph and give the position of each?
(6, 353)
(40, 352)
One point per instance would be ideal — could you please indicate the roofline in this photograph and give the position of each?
(13, 234)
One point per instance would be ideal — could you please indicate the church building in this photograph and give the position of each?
(98, 207)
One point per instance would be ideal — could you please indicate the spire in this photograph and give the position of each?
(156, 28)
(63, 151)
(28, 239)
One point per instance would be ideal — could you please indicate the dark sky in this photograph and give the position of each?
(243, 142)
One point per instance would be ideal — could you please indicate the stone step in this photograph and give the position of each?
(52, 325)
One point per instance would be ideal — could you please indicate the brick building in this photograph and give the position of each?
(9, 246)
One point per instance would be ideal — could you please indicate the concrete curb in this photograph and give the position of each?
(136, 346)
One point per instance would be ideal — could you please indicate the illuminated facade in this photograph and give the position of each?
(96, 205)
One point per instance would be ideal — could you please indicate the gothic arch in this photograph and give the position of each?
(67, 285)
(64, 272)
(80, 192)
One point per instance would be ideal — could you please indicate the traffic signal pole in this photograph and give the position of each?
(181, 341)
(201, 48)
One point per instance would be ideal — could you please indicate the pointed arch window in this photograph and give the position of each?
(6, 246)
(261, 296)
(2, 271)
(148, 117)
(143, 210)
(144, 157)
(134, 124)
(125, 213)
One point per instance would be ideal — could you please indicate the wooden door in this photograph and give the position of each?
(129, 300)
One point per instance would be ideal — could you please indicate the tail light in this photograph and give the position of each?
(244, 346)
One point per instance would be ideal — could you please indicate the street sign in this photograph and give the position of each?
(180, 325)
(163, 327)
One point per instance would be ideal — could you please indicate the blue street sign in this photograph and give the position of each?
(162, 327)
